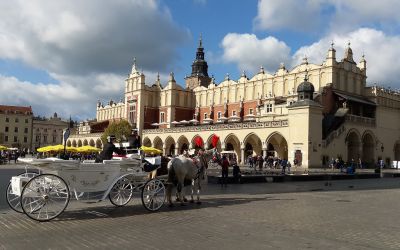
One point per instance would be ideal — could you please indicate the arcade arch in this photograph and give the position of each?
(79, 143)
(197, 142)
(73, 143)
(69, 143)
(146, 142)
(91, 143)
(99, 144)
(277, 146)
(253, 145)
(183, 144)
(85, 142)
(353, 145)
(232, 143)
(158, 143)
(169, 146)
(368, 149)
(209, 143)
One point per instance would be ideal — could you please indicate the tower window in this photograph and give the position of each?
(162, 117)
(205, 115)
(268, 108)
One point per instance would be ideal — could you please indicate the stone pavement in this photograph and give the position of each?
(351, 214)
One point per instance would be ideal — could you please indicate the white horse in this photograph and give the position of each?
(183, 168)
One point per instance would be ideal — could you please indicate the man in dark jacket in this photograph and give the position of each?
(134, 140)
(108, 149)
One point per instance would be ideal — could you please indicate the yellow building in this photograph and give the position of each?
(16, 126)
(311, 112)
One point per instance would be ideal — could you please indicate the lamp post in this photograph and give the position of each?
(66, 135)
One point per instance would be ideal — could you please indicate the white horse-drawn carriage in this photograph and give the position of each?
(43, 195)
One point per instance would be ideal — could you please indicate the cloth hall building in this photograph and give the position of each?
(311, 113)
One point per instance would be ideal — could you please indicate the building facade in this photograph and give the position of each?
(311, 113)
(48, 131)
(16, 126)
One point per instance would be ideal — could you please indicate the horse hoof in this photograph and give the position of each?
(185, 200)
(177, 200)
(191, 201)
(171, 205)
(198, 202)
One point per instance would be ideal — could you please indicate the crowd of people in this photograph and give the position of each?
(269, 162)
(7, 156)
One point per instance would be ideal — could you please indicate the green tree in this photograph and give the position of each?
(121, 129)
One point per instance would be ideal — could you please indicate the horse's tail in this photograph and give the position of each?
(171, 171)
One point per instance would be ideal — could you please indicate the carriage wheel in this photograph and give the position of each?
(45, 197)
(13, 200)
(121, 193)
(153, 195)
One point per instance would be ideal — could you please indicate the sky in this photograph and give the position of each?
(62, 56)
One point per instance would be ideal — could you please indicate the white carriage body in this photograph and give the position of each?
(89, 176)
(43, 196)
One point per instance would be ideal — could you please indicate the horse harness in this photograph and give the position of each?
(199, 169)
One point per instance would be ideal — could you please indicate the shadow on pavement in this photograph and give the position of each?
(109, 211)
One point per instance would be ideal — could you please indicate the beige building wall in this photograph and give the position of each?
(48, 131)
(16, 126)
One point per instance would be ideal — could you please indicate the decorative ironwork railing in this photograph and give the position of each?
(362, 120)
(213, 127)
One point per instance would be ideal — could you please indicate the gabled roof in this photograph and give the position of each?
(14, 109)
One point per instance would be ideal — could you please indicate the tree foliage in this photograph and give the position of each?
(121, 129)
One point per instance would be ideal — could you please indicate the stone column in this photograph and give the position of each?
(264, 149)
(242, 153)
(176, 149)
(164, 150)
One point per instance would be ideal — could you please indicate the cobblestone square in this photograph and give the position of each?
(351, 214)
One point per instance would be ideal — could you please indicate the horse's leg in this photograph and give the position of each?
(179, 187)
(192, 191)
(198, 191)
(169, 191)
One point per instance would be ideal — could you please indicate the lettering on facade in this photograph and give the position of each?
(234, 126)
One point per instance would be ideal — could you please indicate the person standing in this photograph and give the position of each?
(134, 140)
(224, 172)
(283, 165)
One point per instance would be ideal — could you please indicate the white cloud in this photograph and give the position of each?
(87, 46)
(249, 52)
(323, 15)
(349, 15)
(288, 14)
(78, 100)
(81, 37)
(381, 50)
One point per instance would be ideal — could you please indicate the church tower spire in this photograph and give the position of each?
(199, 75)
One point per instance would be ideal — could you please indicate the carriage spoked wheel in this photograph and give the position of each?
(14, 200)
(45, 197)
(153, 195)
(121, 193)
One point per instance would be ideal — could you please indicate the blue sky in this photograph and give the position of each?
(62, 56)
